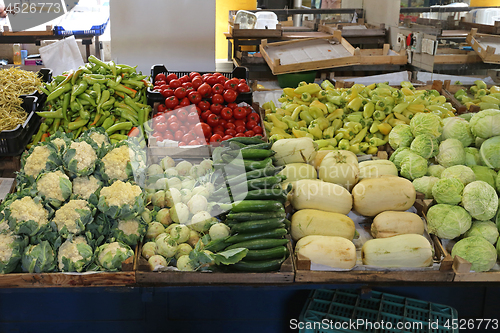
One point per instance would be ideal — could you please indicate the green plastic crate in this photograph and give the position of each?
(346, 306)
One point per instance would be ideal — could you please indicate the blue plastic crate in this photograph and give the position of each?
(347, 306)
(95, 30)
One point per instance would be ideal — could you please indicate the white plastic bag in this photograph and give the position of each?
(62, 55)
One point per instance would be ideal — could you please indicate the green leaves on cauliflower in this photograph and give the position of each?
(448, 191)
(98, 138)
(74, 255)
(426, 123)
(448, 221)
(476, 250)
(129, 231)
(37, 159)
(79, 159)
(38, 258)
(11, 250)
(26, 216)
(72, 218)
(99, 229)
(54, 187)
(121, 200)
(400, 136)
(87, 188)
(480, 200)
(61, 140)
(451, 152)
(457, 128)
(486, 123)
(111, 255)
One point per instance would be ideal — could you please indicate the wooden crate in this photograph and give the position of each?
(449, 91)
(481, 28)
(274, 52)
(486, 46)
(454, 56)
(65, 280)
(305, 275)
(384, 56)
(236, 32)
(312, 24)
(354, 29)
(144, 275)
(6, 186)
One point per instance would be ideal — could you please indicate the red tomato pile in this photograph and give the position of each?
(200, 109)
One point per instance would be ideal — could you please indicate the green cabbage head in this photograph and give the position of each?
(457, 128)
(480, 200)
(472, 156)
(476, 250)
(425, 145)
(489, 152)
(460, 172)
(435, 170)
(424, 185)
(486, 124)
(448, 191)
(486, 229)
(413, 166)
(451, 152)
(448, 221)
(485, 174)
(426, 123)
(400, 136)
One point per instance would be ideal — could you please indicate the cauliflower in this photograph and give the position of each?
(79, 159)
(26, 216)
(74, 255)
(123, 161)
(111, 255)
(115, 163)
(99, 139)
(121, 200)
(72, 217)
(37, 160)
(84, 187)
(60, 143)
(38, 258)
(55, 187)
(11, 249)
(129, 231)
(4, 226)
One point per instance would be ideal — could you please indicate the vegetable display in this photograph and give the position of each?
(98, 94)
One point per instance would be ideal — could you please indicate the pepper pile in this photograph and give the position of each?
(256, 215)
(96, 94)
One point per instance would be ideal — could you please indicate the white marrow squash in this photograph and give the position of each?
(297, 150)
(320, 155)
(372, 196)
(298, 171)
(317, 194)
(399, 251)
(340, 167)
(393, 223)
(377, 168)
(336, 252)
(307, 222)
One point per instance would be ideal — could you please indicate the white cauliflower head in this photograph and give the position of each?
(50, 186)
(74, 255)
(84, 186)
(37, 161)
(115, 162)
(72, 217)
(85, 155)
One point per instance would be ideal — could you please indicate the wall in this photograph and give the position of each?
(179, 34)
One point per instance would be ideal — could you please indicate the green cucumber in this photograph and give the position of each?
(259, 244)
(287, 223)
(259, 173)
(251, 154)
(263, 194)
(252, 206)
(243, 217)
(259, 266)
(258, 225)
(259, 146)
(272, 253)
(275, 233)
(257, 184)
(245, 140)
(236, 145)
(248, 165)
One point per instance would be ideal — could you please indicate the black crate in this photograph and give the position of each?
(45, 74)
(13, 142)
(238, 72)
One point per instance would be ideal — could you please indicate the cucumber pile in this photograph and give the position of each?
(252, 199)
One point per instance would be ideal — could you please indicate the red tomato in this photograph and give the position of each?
(223, 123)
(240, 135)
(175, 83)
(160, 127)
(167, 92)
(159, 118)
(205, 90)
(205, 114)
(230, 126)
(243, 88)
(193, 117)
(216, 138)
(211, 80)
(232, 105)
(243, 81)
(180, 93)
(157, 135)
(184, 102)
(204, 105)
(202, 130)
(171, 77)
(230, 95)
(239, 123)
(221, 79)
(184, 79)
(171, 102)
(161, 76)
(232, 120)
(248, 110)
(174, 127)
(218, 89)
(216, 108)
(192, 75)
(187, 85)
(168, 135)
(257, 130)
(239, 113)
(186, 138)
(160, 83)
(249, 134)
(253, 117)
(182, 115)
(218, 132)
(213, 120)
(197, 82)
(181, 144)
(162, 108)
(226, 113)
(217, 99)
(219, 128)
(226, 137)
(183, 128)
(251, 124)
(172, 118)
(231, 132)
(240, 129)
(231, 84)
(178, 135)
(193, 143)
(198, 110)
(194, 97)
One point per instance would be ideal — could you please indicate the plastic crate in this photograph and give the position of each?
(13, 142)
(347, 306)
(95, 30)
(238, 72)
(45, 74)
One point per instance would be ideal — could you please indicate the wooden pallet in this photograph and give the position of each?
(354, 29)
(384, 56)
(48, 32)
(481, 28)
(454, 56)
(486, 46)
(236, 32)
